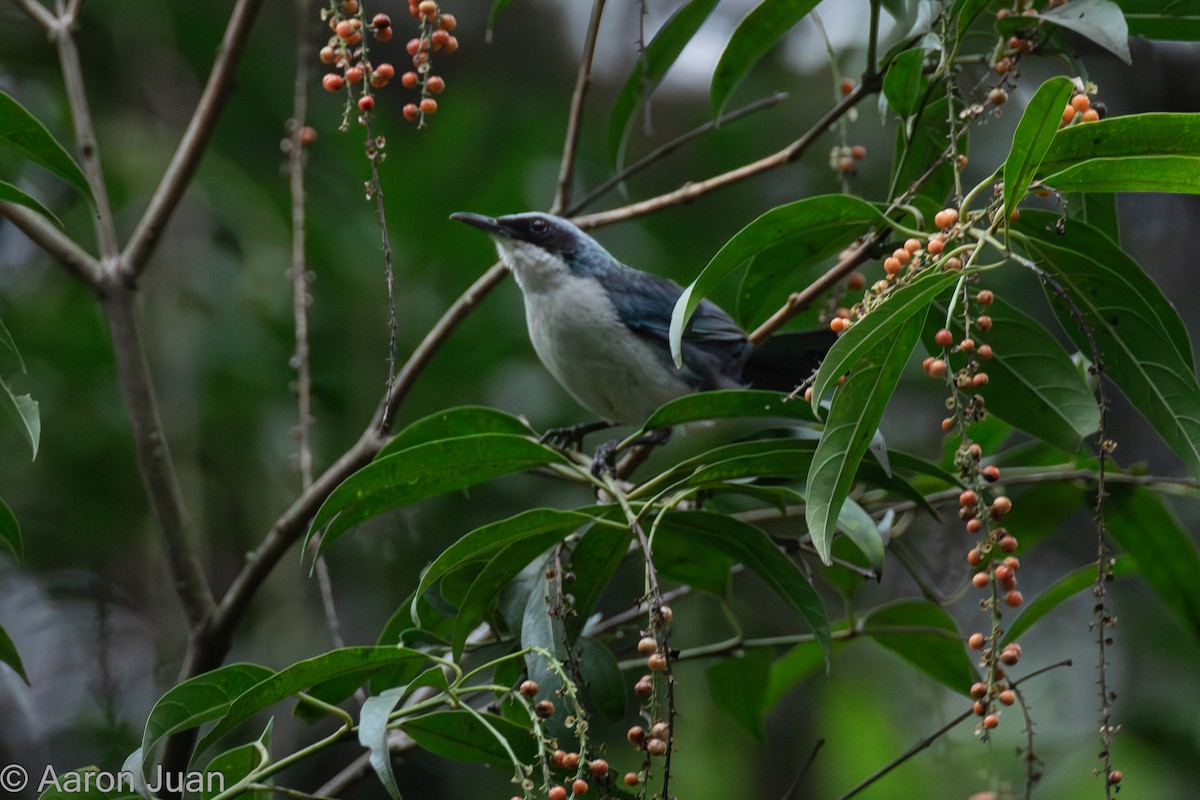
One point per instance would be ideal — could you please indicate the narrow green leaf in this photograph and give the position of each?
(423, 471)
(84, 784)
(677, 557)
(542, 631)
(650, 69)
(10, 532)
(807, 225)
(361, 661)
(853, 419)
(752, 547)
(1154, 19)
(1060, 591)
(23, 410)
(198, 700)
(860, 528)
(373, 734)
(738, 685)
(237, 764)
(756, 34)
(1098, 20)
(965, 12)
(454, 423)
(483, 543)
(463, 736)
(604, 688)
(1179, 174)
(1096, 209)
(723, 404)
(10, 358)
(1146, 528)
(882, 325)
(1033, 383)
(1132, 330)
(498, 7)
(1033, 136)
(904, 83)
(1157, 134)
(924, 635)
(22, 131)
(10, 656)
(11, 194)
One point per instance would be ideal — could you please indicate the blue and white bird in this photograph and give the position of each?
(601, 327)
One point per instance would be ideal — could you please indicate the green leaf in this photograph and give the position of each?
(10, 358)
(1033, 136)
(11, 194)
(860, 528)
(723, 404)
(83, 784)
(1096, 209)
(10, 532)
(924, 635)
(1179, 174)
(1131, 323)
(1032, 382)
(881, 325)
(198, 700)
(454, 423)
(798, 663)
(603, 685)
(372, 734)
(965, 11)
(498, 7)
(738, 685)
(678, 557)
(1131, 135)
(10, 656)
(754, 36)
(1061, 590)
(423, 471)
(807, 225)
(754, 459)
(752, 547)
(1146, 528)
(853, 419)
(464, 736)
(650, 69)
(919, 148)
(237, 764)
(904, 83)
(21, 131)
(23, 410)
(1154, 19)
(482, 544)
(361, 661)
(1098, 20)
(594, 558)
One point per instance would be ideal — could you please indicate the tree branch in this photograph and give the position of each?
(154, 461)
(38, 13)
(57, 244)
(582, 79)
(194, 142)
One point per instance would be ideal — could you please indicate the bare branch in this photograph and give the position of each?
(57, 244)
(38, 13)
(154, 461)
(571, 140)
(194, 142)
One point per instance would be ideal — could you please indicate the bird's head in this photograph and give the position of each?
(540, 249)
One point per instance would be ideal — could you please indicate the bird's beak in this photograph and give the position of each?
(486, 224)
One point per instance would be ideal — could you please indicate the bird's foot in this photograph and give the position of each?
(602, 459)
(571, 437)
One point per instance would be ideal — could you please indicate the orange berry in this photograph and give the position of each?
(439, 39)
(409, 80)
(308, 136)
(902, 255)
(350, 6)
(845, 164)
(984, 323)
(968, 498)
(579, 787)
(647, 645)
(344, 29)
(1115, 776)
(644, 687)
(1068, 114)
(974, 525)
(892, 265)
(384, 34)
(428, 105)
(937, 368)
(557, 793)
(935, 246)
(856, 281)
(427, 8)
(1091, 115)
(570, 760)
(978, 689)
(985, 297)
(991, 721)
(1000, 507)
(1013, 599)
(945, 218)
(411, 112)
(1008, 543)
(657, 663)
(974, 555)
(1010, 657)
(979, 580)
(386, 70)
(1003, 573)
(447, 22)
(943, 337)
(837, 324)
(967, 345)
(948, 424)
(636, 735)
(333, 82)
(451, 45)
(808, 395)
(598, 767)
(354, 75)
(435, 84)
(979, 707)
(952, 264)
(976, 641)
(327, 55)
(631, 779)
(912, 245)
(859, 152)
(366, 102)
(1080, 103)
(962, 162)
(1008, 697)
(414, 46)
(980, 379)
(848, 85)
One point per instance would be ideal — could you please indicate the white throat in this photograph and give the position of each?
(535, 269)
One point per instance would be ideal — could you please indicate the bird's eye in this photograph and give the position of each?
(538, 225)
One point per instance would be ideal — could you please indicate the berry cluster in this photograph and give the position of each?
(435, 36)
(844, 157)
(655, 740)
(347, 52)
(1081, 107)
(578, 769)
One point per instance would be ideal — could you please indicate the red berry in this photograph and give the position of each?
(428, 105)
(579, 787)
(411, 112)
(413, 47)
(978, 689)
(344, 29)
(452, 45)
(636, 735)
(991, 471)
(1008, 697)
(968, 498)
(1115, 776)
(656, 747)
(657, 663)
(1008, 543)
(354, 75)
(859, 152)
(557, 793)
(439, 38)
(985, 351)
(598, 767)
(985, 297)
(327, 55)
(366, 102)
(435, 84)
(1000, 507)
(943, 338)
(848, 85)
(384, 34)
(544, 709)
(447, 22)
(570, 760)
(1014, 599)
(989, 722)
(631, 779)
(984, 323)
(856, 281)
(979, 580)
(308, 136)
(381, 21)
(427, 8)
(386, 70)
(974, 526)
(409, 80)
(976, 641)
(333, 82)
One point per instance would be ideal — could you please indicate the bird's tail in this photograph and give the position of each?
(786, 360)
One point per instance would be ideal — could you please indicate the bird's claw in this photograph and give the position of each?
(571, 437)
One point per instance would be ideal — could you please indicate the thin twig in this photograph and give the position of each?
(154, 461)
(45, 235)
(690, 191)
(375, 192)
(662, 151)
(38, 13)
(178, 174)
(583, 78)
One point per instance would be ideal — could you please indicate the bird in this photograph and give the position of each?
(601, 327)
